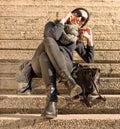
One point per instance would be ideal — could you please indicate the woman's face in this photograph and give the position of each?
(79, 19)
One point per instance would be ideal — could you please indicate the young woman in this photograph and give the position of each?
(54, 57)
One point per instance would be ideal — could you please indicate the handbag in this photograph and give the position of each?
(89, 80)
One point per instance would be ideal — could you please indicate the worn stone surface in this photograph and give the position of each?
(100, 56)
(36, 104)
(37, 23)
(60, 2)
(62, 121)
(21, 30)
(107, 69)
(36, 34)
(9, 86)
(33, 44)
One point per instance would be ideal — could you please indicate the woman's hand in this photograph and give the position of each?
(87, 33)
(63, 20)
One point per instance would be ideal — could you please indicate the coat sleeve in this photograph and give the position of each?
(53, 30)
(86, 53)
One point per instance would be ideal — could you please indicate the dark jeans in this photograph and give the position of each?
(48, 62)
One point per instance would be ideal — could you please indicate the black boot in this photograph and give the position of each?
(74, 89)
(51, 110)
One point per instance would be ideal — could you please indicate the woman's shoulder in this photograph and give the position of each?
(49, 24)
(47, 29)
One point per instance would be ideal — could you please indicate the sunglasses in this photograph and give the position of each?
(79, 14)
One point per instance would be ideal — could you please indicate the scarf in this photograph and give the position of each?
(70, 34)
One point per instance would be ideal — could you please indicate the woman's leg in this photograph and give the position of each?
(59, 62)
(49, 77)
(35, 59)
(55, 55)
(42, 67)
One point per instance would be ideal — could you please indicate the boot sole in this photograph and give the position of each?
(75, 91)
(48, 116)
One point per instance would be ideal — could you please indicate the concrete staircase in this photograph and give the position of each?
(21, 30)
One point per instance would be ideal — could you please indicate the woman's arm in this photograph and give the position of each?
(86, 53)
(55, 30)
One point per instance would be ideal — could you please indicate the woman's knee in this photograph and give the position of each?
(43, 57)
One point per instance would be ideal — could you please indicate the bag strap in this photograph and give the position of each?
(100, 97)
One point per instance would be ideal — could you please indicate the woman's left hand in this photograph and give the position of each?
(87, 33)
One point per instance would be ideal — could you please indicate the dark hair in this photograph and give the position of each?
(77, 9)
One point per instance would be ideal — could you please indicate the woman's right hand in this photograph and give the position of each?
(63, 20)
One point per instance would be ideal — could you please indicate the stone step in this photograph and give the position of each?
(107, 70)
(104, 56)
(33, 44)
(35, 35)
(37, 22)
(32, 24)
(103, 20)
(71, 121)
(36, 103)
(60, 2)
(100, 56)
(8, 85)
(91, 6)
(93, 16)
(58, 10)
